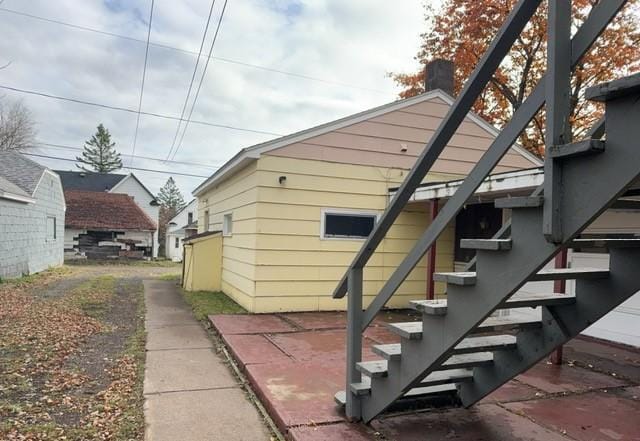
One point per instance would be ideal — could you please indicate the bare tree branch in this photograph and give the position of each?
(17, 128)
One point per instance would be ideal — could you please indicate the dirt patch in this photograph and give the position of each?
(72, 354)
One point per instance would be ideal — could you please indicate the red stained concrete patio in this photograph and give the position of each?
(296, 362)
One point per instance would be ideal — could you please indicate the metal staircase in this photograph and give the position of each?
(458, 346)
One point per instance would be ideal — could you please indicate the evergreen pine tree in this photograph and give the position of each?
(170, 197)
(171, 201)
(99, 153)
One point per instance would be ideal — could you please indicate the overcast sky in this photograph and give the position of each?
(350, 45)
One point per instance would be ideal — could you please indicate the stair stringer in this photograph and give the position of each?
(590, 185)
(594, 299)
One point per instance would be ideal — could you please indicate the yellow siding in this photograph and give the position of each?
(297, 270)
(238, 196)
(203, 264)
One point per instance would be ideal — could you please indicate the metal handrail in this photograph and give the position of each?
(601, 14)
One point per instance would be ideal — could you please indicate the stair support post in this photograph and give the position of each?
(558, 104)
(354, 341)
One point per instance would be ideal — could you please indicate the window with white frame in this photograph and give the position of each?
(51, 228)
(338, 224)
(227, 224)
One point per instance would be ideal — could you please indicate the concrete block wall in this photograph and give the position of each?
(26, 246)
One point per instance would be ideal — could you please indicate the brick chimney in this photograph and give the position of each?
(438, 74)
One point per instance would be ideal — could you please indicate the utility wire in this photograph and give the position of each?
(186, 51)
(193, 77)
(128, 168)
(204, 72)
(144, 74)
(149, 158)
(125, 109)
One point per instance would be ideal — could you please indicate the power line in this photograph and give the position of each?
(128, 168)
(204, 72)
(125, 109)
(69, 147)
(186, 51)
(144, 74)
(193, 77)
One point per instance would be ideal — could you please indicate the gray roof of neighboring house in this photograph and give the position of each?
(7, 186)
(89, 181)
(20, 171)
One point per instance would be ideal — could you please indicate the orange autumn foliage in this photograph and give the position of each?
(462, 30)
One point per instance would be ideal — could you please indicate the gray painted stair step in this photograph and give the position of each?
(362, 388)
(388, 352)
(468, 278)
(340, 398)
(485, 343)
(448, 376)
(463, 278)
(576, 149)
(468, 360)
(413, 393)
(614, 89)
(535, 300)
(570, 274)
(486, 244)
(377, 368)
(605, 243)
(501, 324)
(520, 202)
(439, 306)
(408, 330)
(431, 390)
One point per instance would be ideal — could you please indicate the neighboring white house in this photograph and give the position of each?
(112, 183)
(181, 226)
(32, 215)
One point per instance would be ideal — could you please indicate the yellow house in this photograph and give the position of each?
(294, 211)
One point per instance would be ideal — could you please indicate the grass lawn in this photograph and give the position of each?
(205, 303)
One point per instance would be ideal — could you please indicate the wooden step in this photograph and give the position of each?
(576, 149)
(456, 278)
(605, 243)
(388, 352)
(373, 369)
(430, 307)
(486, 244)
(463, 361)
(408, 330)
(520, 202)
(569, 274)
(430, 390)
(501, 324)
(437, 378)
(485, 343)
(614, 89)
(439, 306)
(448, 376)
(535, 300)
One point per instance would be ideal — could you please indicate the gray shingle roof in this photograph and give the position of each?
(7, 186)
(21, 171)
(89, 181)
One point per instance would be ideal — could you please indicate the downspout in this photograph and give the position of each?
(431, 265)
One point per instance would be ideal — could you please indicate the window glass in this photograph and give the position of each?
(348, 225)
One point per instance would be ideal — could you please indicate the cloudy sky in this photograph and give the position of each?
(344, 48)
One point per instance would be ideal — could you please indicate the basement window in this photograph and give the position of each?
(227, 224)
(347, 224)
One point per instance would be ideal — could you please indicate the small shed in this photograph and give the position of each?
(32, 216)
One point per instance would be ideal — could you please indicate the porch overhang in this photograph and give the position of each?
(497, 185)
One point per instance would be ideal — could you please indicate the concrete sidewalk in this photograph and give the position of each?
(190, 394)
